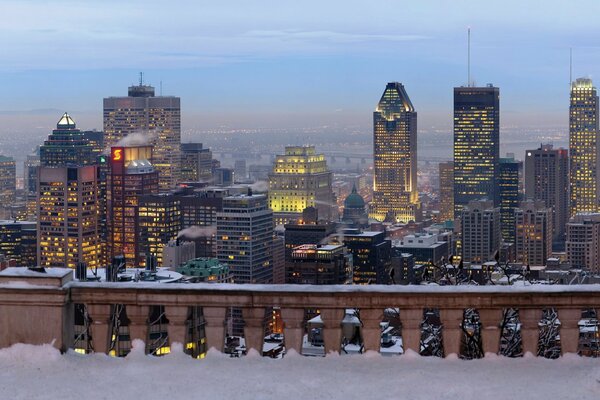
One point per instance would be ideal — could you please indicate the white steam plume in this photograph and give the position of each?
(195, 232)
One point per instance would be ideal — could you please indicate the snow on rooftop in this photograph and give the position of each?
(41, 372)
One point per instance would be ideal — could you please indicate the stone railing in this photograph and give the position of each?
(41, 313)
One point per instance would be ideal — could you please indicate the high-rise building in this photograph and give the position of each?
(66, 146)
(8, 181)
(395, 195)
(131, 176)
(533, 231)
(546, 179)
(507, 190)
(67, 216)
(156, 118)
(481, 237)
(18, 241)
(584, 148)
(371, 256)
(159, 222)
(300, 179)
(446, 192)
(245, 236)
(319, 265)
(307, 230)
(30, 167)
(583, 241)
(476, 144)
(196, 163)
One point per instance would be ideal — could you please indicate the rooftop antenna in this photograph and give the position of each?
(469, 56)
(141, 79)
(570, 66)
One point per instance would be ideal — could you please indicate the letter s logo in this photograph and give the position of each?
(117, 154)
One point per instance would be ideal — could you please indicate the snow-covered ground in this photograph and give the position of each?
(41, 372)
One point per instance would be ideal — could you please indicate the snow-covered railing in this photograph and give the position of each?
(32, 313)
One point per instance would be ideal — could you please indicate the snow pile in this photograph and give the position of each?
(40, 372)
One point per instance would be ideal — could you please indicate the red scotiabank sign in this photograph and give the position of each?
(117, 157)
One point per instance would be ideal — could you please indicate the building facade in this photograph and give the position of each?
(196, 163)
(245, 236)
(319, 265)
(131, 176)
(481, 236)
(584, 148)
(66, 146)
(507, 189)
(395, 194)
(583, 241)
(547, 180)
(67, 216)
(533, 231)
(8, 181)
(299, 179)
(156, 120)
(159, 222)
(446, 191)
(476, 144)
(371, 256)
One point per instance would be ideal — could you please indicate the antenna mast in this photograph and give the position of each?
(570, 66)
(469, 56)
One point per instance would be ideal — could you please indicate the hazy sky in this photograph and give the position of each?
(270, 63)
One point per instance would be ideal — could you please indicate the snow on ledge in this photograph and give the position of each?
(41, 372)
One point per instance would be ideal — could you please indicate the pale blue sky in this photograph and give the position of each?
(304, 63)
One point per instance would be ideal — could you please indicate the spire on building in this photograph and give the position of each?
(66, 122)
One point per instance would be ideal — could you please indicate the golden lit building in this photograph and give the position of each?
(533, 232)
(446, 192)
(156, 118)
(159, 221)
(584, 147)
(67, 217)
(300, 179)
(7, 181)
(395, 195)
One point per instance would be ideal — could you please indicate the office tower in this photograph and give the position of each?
(156, 120)
(371, 256)
(30, 167)
(313, 264)
(18, 241)
(533, 231)
(299, 179)
(96, 140)
(241, 173)
(66, 146)
(395, 195)
(354, 210)
(584, 148)
(196, 163)
(67, 216)
(481, 237)
(583, 241)
(507, 190)
(223, 176)
(446, 192)
(476, 144)
(8, 181)
(245, 236)
(159, 222)
(131, 176)
(547, 180)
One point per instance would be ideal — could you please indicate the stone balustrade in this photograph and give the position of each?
(37, 314)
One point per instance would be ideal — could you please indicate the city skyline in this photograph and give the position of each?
(230, 63)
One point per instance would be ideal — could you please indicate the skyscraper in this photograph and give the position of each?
(66, 146)
(300, 179)
(533, 232)
(476, 144)
(156, 118)
(395, 195)
(584, 147)
(196, 163)
(67, 215)
(245, 238)
(507, 189)
(131, 176)
(7, 181)
(583, 241)
(159, 222)
(546, 179)
(446, 171)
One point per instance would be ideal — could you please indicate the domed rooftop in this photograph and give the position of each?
(354, 200)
